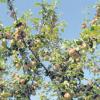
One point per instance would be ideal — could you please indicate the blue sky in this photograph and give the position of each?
(72, 11)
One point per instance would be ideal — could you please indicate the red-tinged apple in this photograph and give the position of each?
(84, 25)
(22, 81)
(67, 96)
(8, 35)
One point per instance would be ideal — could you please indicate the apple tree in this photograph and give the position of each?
(35, 60)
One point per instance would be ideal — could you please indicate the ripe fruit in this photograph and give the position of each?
(17, 65)
(57, 66)
(36, 84)
(84, 25)
(66, 83)
(12, 42)
(8, 35)
(19, 34)
(20, 44)
(46, 85)
(67, 96)
(37, 41)
(83, 46)
(73, 53)
(94, 21)
(46, 57)
(22, 81)
(33, 87)
(33, 63)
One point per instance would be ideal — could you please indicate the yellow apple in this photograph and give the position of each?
(37, 41)
(33, 63)
(83, 46)
(12, 42)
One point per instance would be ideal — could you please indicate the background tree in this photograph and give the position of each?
(45, 62)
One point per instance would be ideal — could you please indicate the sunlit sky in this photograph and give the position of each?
(72, 11)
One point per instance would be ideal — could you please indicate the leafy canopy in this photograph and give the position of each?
(35, 59)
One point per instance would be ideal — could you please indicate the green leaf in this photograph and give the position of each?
(37, 4)
(97, 90)
(3, 1)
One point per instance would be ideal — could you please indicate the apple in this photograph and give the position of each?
(37, 41)
(33, 87)
(17, 65)
(16, 92)
(16, 34)
(46, 85)
(67, 96)
(46, 57)
(94, 21)
(12, 42)
(84, 25)
(27, 66)
(33, 63)
(15, 76)
(73, 53)
(22, 81)
(20, 44)
(56, 66)
(83, 46)
(8, 35)
(66, 83)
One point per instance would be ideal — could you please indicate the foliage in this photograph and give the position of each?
(28, 60)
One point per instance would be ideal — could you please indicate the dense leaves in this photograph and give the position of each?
(33, 57)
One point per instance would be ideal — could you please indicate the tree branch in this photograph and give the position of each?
(11, 9)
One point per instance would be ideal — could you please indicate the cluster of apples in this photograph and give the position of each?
(19, 79)
(30, 65)
(94, 28)
(35, 43)
(34, 86)
(96, 19)
(6, 35)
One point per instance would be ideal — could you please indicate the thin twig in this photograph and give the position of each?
(11, 9)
